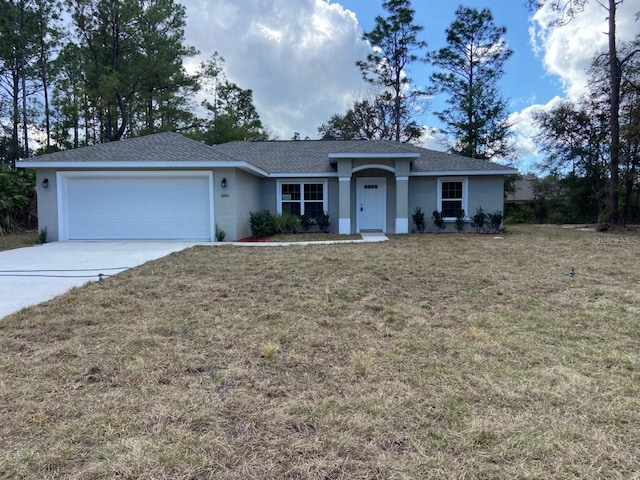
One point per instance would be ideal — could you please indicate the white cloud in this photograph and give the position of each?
(298, 56)
(567, 50)
(524, 128)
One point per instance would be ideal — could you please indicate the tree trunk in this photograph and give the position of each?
(614, 116)
(23, 81)
(44, 78)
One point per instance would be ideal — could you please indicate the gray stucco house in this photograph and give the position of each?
(166, 186)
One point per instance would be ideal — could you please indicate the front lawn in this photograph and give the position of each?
(428, 356)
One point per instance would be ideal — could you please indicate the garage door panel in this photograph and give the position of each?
(138, 207)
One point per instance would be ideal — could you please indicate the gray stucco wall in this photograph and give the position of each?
(483, 191)
(268, 195)
(48, 203)
(333, 201)
(248, 199)
(486, 192)
(224, 201)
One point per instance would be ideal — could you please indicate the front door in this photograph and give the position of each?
(371, 202)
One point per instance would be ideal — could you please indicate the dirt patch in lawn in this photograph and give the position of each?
(428, 356)
(10, 241)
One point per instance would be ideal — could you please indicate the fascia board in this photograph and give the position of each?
(374, 155)
(142, 165)
(458, 173)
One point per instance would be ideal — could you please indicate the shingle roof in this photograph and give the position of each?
(278, 157)
(309, 156)
(159, 147)
(433, 161)
(301, 156)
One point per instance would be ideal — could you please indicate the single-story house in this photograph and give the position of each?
(166, 186)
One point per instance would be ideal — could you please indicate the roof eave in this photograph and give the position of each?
(453, 173)
(373, 155)
(143, 165)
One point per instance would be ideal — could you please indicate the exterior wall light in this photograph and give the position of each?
(45, 183)
(223, 183)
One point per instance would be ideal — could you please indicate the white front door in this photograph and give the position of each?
(371, 203)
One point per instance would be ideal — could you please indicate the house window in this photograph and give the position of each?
(452, 196)
(302, 197)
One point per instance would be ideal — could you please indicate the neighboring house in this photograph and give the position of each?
(523, 192)
(166, 186)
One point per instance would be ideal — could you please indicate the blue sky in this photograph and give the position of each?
(509, 13)
(298, 56)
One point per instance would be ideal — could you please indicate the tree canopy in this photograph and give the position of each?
(470, 66)
(395, 46)
(113, 70)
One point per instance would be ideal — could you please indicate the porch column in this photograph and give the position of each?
(402, 204)
(344, 196)
(402, 196)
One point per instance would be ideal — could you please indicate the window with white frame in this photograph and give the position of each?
(452, 196)
(302, 197)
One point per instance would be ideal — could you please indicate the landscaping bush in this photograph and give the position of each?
(306, 222)
(323, 221)
(495, 221)
(460, 221)
(220, 234)
(261, 223)
(479, 220)
(418, 219)
(286, 223)
(438, 219)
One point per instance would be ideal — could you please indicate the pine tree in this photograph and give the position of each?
(396, 46)
(470, 66)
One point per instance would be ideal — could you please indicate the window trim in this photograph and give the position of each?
(302, 182)
(465, 194)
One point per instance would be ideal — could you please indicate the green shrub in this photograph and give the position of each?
(17, 189)
(323, 221)
(286, 223)
(495, 221)
(290, 223)
(42, 236)
(418, 219)
(261, 223)
(479, 220)
(306, 222)
(438, 219)
(520, 214)
(460, 221)
(278, 223)
(220, 234)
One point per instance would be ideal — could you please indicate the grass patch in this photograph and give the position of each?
(428, 356)
(10, 241)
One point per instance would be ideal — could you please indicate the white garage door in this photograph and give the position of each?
(136, 205)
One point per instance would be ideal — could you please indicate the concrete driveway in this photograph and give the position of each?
(35, 274)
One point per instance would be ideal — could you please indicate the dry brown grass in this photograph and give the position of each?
(480, 359)
(10, 241)
(311, 237)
